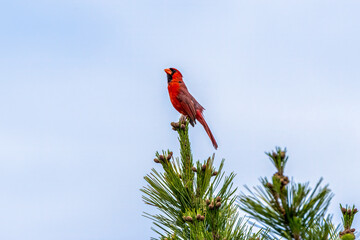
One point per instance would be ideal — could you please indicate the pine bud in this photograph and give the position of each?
(343, 210)
(211, 206)
(169, 156)
(218, 204)
(161, 157)
(282, 155)
(202, 218)
(218, 199)
(203, 167)
(198, 217)
(214, 173)
(188, 219)
(182, 127)
(355, 210)
(349, 211)
(352, 230)
(175, 125)
(207, 201)
(194, 169)
(274, 154)
(156, 160)
(269, 185)
(282, 210)
(183, 119)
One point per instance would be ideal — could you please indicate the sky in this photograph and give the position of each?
(84, 103)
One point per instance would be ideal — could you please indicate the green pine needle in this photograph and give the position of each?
(194, 201)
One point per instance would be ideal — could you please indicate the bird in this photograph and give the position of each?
(184, 102)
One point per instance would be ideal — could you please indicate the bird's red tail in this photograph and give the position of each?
(201, 119)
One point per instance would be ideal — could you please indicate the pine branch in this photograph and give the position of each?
(292, 211)
(194, 201)
(348, 215)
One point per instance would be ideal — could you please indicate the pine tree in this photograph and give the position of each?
(294, 210)
(194, 201)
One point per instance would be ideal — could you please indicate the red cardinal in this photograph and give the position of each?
(184, 102)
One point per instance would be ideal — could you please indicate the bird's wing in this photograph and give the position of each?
(188, 105)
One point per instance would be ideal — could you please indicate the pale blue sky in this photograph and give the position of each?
(84, 104)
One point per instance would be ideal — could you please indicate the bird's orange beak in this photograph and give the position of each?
(168, 71)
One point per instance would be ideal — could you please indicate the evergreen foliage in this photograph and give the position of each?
(194, 201)
(289, 210)
(347, 220)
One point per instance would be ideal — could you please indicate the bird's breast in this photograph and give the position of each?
(174, 90)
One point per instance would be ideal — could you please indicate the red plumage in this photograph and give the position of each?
(184, 102)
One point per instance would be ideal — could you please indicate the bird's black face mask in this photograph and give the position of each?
(170, 76)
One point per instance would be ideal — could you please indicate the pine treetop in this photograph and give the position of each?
(195, 201)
